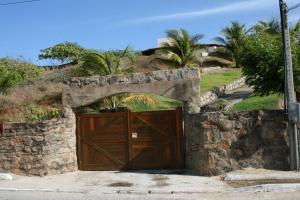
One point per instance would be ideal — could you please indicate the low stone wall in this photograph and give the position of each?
(40, 148)
(211, 96)
(219, 142)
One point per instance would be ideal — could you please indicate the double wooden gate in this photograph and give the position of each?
(130, 140)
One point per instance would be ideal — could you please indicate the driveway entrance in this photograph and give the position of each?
(130, 140)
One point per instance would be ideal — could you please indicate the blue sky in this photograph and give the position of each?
(114, 24)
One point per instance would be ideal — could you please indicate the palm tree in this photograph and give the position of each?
(108, 63)
(233, 36)
(96, 63)
(272, 27)
(124, 100)
(180, 48)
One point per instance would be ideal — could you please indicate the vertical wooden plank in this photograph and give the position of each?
(180, 139)
(78, 141)
(129, 138)
(92, 124)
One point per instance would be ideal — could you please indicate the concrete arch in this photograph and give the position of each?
(179, 84)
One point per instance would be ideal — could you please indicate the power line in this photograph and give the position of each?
(17, 2)
(294, 7)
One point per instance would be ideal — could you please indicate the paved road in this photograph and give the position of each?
(202, 196)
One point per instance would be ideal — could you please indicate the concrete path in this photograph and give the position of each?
(237, 96)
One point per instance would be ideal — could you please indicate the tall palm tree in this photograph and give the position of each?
(233, 36)
(180, 48)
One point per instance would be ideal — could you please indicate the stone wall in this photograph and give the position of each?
(219, 142)
(211, 96)
(39, 148)
(178, 84)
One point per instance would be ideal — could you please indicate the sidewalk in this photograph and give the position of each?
(157, 182)
(154, 182)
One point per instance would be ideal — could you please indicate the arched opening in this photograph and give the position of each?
(135, 102)
(130, 131)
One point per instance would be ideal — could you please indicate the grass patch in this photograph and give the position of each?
(216, 80)
(163, 103)
(258, 102)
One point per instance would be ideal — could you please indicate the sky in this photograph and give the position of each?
(27, 28)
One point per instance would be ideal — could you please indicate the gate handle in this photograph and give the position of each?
(134, 134)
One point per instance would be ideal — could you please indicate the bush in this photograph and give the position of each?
(14, 107)
(39, 113)
(15, 71)
(262, 59)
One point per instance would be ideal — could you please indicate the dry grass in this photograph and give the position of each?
(217, 61)
(13, 107)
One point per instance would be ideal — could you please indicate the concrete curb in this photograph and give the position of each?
(250, 189)
(289, 187)
(262, 177)
(42, 190)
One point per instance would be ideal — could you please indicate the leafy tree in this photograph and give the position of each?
(180, 48)
(66, 52)
(263, 64)
(233, 38)
(295, 31)
(15, 71)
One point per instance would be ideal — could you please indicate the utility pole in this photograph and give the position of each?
(289, 89)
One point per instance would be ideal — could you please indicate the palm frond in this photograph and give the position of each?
(221, 40)
(134, 98)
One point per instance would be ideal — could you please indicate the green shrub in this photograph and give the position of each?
(38, 113)
(15, 71)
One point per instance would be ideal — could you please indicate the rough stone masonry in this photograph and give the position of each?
(215, 142)
(219, 142)
(39, 148)
(179, 84)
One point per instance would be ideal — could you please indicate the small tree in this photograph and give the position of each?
(263, 63)
(66, 52)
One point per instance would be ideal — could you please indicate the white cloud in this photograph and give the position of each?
(247, 5)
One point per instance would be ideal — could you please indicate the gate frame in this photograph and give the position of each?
(180, 138)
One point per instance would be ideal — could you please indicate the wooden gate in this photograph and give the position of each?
(130, 140)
